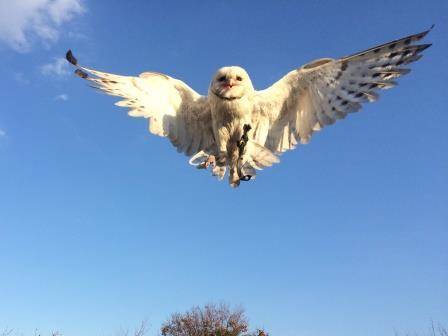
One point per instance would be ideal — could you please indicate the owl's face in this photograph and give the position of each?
(231, 82)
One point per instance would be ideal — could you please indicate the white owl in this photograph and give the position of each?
(243, 130)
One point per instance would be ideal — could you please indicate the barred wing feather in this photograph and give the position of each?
(173, 109)
(323, 91)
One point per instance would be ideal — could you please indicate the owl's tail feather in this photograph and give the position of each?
(258, 157)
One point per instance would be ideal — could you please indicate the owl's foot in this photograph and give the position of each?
(211, 161)
(234, 179)
(246, 173)
(235, 184)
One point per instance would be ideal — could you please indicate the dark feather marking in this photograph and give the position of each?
(379, 47)
(423, 47)
(69, 56)
(340, 114)
(81, 73)
(338, 75)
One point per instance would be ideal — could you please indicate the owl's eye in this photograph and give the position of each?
(222, 78)
(239, 78)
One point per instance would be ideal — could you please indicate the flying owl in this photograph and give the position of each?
(238, 129)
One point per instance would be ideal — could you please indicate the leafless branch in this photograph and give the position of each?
(211, 320)
(142, 329)
(6, 332)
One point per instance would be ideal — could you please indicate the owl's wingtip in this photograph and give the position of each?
(70, 58)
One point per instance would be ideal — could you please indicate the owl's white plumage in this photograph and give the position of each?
(286, 114)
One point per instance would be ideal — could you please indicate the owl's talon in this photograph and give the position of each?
(211, 161)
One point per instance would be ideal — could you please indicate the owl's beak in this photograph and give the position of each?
(230, 83)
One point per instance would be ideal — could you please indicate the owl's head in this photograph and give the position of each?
(231, 82)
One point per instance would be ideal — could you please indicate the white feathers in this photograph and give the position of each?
(325, 90)
(302, 102)
(174, 110)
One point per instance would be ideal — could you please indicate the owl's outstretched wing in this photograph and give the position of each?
(319, 93)
(173, 109)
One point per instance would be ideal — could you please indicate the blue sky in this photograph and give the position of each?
(103, 225)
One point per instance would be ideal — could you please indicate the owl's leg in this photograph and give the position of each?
(244, 139)
(241, 147)
(223, 135)
(233, 156)
(234, 178)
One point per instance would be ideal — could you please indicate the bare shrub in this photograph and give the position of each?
(211, 320)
